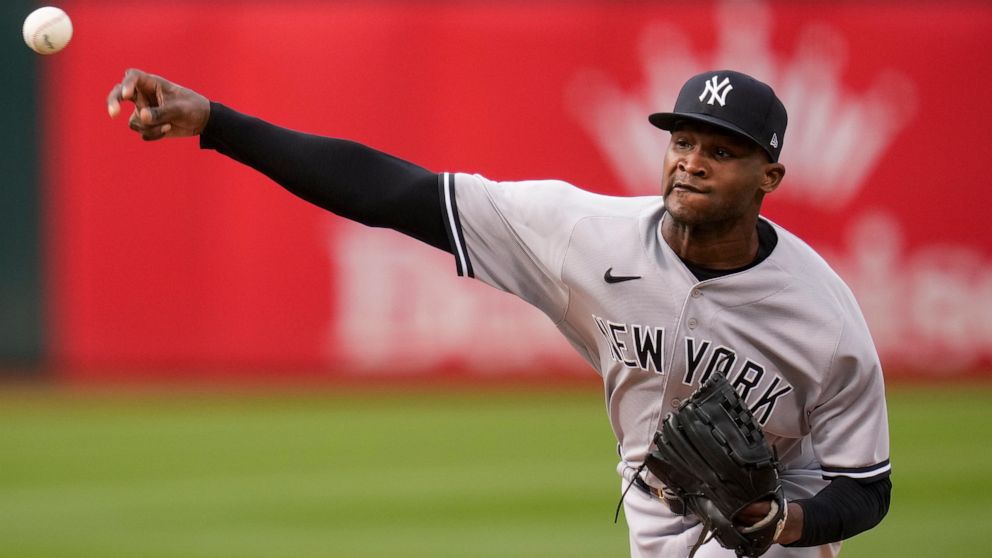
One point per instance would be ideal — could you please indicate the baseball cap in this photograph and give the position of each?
(733, 101)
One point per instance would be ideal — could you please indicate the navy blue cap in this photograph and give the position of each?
(733, 101)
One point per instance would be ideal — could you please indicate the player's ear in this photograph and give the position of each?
(772, 177)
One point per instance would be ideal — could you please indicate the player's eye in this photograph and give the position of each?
(722, 153)
(682, 143)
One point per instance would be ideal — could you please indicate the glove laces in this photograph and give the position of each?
(637, 473)
(703, 538)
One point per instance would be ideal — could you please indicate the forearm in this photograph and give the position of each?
(344, 177)
(841, 510)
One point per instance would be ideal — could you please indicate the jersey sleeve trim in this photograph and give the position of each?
(453, 225)
(863, 474)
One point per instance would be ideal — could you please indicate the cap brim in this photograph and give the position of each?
(668, 121)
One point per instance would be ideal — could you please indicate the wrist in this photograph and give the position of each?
(793, 529)
(203, 110)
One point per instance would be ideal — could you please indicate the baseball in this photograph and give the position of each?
(47, 30)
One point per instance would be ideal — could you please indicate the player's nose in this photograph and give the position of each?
(692, 163)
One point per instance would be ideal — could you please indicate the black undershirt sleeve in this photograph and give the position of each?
(844, 508)
(341, 176)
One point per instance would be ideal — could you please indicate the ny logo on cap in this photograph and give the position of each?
(717, 90)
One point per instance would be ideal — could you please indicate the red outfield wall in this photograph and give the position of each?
(163, 257)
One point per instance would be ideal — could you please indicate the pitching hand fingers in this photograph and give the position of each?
(158, 115)
(148, 132)
(151, 133)
(162, 108)
(136, 86)
(156, 132)
(123, 91)
(183, 110)
(114, 101)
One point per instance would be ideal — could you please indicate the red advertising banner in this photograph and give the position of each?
(165, 258)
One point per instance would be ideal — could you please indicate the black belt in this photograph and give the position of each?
(648, 489)
(674, 504)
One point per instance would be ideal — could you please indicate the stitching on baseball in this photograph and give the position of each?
(45, 25)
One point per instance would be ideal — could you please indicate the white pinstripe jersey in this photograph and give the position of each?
(787, 332)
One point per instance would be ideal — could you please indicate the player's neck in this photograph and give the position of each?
(712, 246)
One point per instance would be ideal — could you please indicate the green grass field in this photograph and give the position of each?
(369, 474)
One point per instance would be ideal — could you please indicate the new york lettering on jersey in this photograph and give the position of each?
(637, 346)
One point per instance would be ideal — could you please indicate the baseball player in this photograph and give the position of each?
(656, 293)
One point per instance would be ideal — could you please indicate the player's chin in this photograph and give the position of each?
(687, 207)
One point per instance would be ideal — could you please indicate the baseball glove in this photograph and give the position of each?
(712, 455)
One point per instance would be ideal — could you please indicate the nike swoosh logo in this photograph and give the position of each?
(610, 278)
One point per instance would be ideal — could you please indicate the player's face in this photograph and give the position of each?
(715, 178)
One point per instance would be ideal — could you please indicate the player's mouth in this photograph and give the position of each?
(685, 187)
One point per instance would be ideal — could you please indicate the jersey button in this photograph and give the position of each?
(696, 293)
(692, 323)
(676, 402)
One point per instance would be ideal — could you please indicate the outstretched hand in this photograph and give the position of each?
(162, 109)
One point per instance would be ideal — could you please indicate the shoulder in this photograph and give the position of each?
(819, 294)
(546, 197)
(805, 266)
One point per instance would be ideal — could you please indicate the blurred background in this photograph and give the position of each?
(195, 363)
